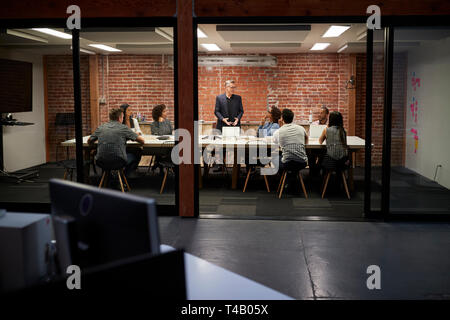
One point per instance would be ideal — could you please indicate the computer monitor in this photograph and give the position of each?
(231, 131)
(97, 226)
(315, 130)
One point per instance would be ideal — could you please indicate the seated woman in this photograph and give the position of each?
(128, 120)
(269, 123)
(134, 154)
(336, 157)
(160, 125)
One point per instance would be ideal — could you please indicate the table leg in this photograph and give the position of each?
(351, 184)
(87, 166)
(235, 172)
(200, 178)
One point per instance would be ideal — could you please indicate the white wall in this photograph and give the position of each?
(431, 63)
(24, 146)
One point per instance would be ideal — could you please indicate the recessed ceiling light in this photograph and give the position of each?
(211, 47)
(53, 33)
(343, 48)
(201, 34)
(105, 47)
(335, 31)
(320, 46)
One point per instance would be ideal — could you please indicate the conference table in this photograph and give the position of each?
(153, 145)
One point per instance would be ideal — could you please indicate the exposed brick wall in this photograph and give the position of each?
(398, 106)
(60, 99)
(142, 81)
(301, 82)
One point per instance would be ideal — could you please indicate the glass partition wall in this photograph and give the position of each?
(419, 176)
(118, 66)
(300, 67)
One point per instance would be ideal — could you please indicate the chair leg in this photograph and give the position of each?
(267, 183)
(125, 179)
(279, 184)
(120, 181)
(345, 185)
(65, 173)
(282, 185)
(303, 184)
(102, 179)
(326, 184)
(246, 179)
(150, 164)
(164, 181)
(71, 174)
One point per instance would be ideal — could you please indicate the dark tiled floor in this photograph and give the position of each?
(323, 260)
(410, 193)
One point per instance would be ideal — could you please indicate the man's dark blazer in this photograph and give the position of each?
(221, 111)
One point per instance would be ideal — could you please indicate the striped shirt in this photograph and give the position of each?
(291, 138)
(335, 148)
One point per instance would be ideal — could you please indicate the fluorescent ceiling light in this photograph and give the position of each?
(201, 34)
(105, 47)
(320, 46)
(362, 35)
(335, 31)
(343, 48)
(25, 35)
(84, 50)
(53, 33)
(211, 47)
(164, 34)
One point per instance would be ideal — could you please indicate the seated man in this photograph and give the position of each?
(292, 139)
(112, 138)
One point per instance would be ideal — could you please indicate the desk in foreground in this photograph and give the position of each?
(206, 281)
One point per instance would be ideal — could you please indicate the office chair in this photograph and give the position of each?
(283, 180)
(259, 164)
(109, 169)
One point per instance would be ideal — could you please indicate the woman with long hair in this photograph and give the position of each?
(335, 136)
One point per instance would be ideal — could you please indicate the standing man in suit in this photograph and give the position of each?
(229, 109)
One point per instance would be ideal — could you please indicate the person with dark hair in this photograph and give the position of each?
(160, 125)
(292, 139)
(134, 155)
(112, 138)
(269, 123)
(323, 116)
(335, 136)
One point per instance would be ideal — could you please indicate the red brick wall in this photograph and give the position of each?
(142, 81)
(60, 99)
(301, 82)
(398, 106)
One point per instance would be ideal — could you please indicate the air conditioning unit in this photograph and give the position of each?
(247, 61)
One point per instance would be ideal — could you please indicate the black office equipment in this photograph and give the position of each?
(97, 226)
(16, 86)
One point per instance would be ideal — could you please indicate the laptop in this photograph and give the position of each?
(231, 131)
(315, 130)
